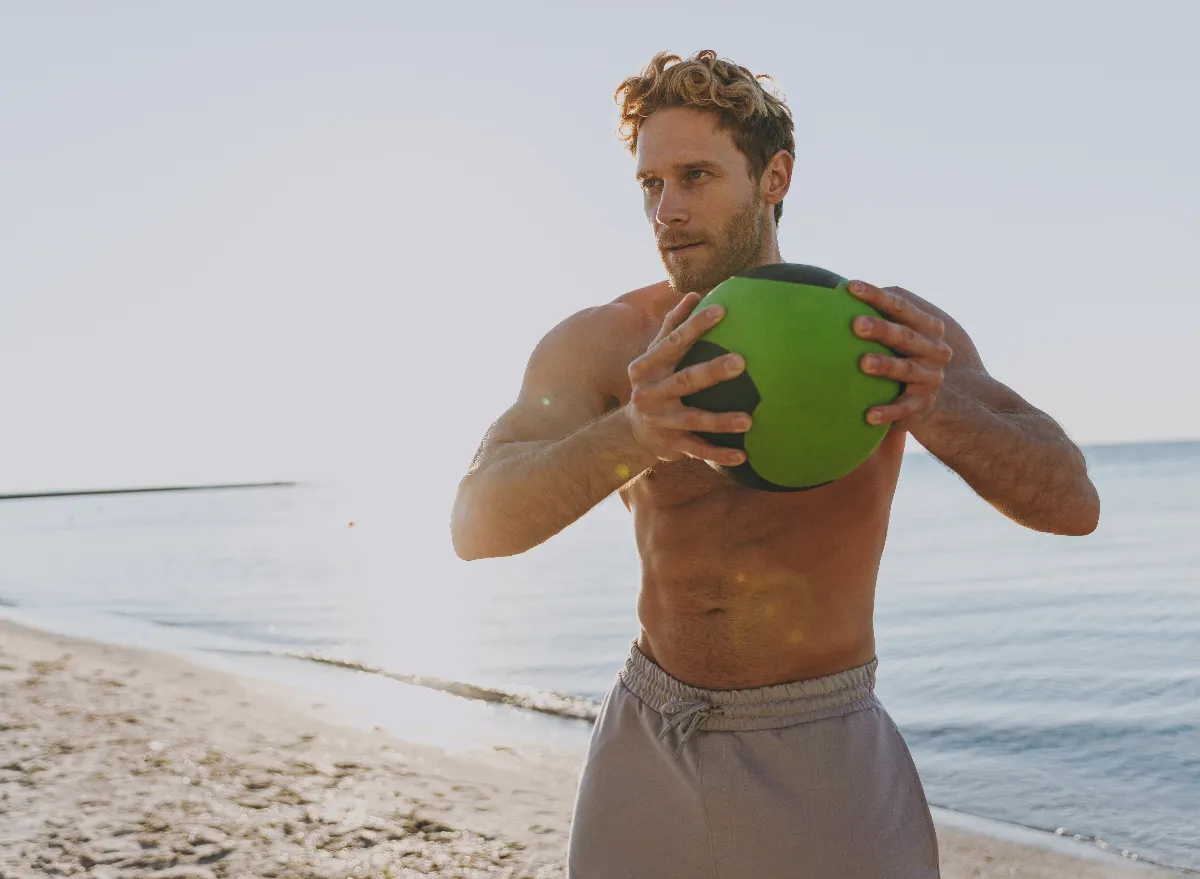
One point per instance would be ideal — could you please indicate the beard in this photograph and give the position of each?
(734, 249)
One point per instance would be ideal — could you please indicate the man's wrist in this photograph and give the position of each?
(951, 412)
(634, 457)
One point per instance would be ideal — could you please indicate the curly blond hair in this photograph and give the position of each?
(760, 121)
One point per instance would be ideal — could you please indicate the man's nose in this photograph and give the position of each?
(672, 209)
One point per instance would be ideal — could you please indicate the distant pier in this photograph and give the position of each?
(13, 497)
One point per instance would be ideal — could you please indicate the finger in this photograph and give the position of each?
(702, 421)
(702, 375)
(909, 403)
(648, 392)
(664, 354)
(896, 306)
(903, 339)
(694, 447)
(659, 401)
(902, 369)
(677, 315)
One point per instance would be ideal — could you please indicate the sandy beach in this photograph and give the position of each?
(119, 763)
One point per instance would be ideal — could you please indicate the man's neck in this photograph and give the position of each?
(770, 258)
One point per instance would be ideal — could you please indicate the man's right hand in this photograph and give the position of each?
(661, 424)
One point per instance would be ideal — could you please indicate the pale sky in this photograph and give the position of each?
(318, 240)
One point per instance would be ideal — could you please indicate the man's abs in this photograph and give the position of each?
(744, 588)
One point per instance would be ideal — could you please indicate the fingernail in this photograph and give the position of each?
(743, 422)
(874, 417)
(857, 287)
(733, 363)
(870, 362)
(864, 323)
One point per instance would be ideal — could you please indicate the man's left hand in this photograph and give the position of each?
(912, 333)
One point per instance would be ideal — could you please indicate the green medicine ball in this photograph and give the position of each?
(802, 383)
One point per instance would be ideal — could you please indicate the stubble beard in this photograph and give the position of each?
(735, 249)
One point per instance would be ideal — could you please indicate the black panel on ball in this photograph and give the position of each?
(794, 273)
(737, 394)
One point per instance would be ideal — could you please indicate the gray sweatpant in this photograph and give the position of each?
(803, 780)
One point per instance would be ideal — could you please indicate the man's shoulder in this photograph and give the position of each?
(641, 310)
(594, 345)
(965, 353)
(630, 313)
(654, 299)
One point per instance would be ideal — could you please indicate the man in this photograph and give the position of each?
(742, 738)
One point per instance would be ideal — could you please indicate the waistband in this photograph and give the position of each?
(770, 707)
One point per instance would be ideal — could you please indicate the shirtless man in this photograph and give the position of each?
(742, 738)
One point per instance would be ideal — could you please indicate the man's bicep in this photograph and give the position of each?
(547, 415)
(559, 393)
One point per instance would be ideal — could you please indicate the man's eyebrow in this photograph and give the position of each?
(683, 167)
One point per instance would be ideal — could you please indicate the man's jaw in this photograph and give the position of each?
(687, 268)
(683, 262)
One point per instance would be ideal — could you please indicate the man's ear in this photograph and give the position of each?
(777, 177)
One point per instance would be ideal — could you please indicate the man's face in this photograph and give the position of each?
(708, 215)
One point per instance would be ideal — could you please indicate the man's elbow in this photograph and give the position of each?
(1081, 527)
(465, 533)
(464, 547)
(470, 532)
(1088, 523)
(462, 527)
(1086, 517)
(473, 545)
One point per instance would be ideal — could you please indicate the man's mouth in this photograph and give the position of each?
(683, 248)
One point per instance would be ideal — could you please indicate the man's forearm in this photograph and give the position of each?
(1022, 463)
(527, 492)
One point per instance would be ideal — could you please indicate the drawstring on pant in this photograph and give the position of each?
(687, 714)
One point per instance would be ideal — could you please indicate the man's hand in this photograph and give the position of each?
(915, 334)
(661, 424)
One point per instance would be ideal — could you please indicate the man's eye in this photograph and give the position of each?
(650, 182)
(695, 173)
